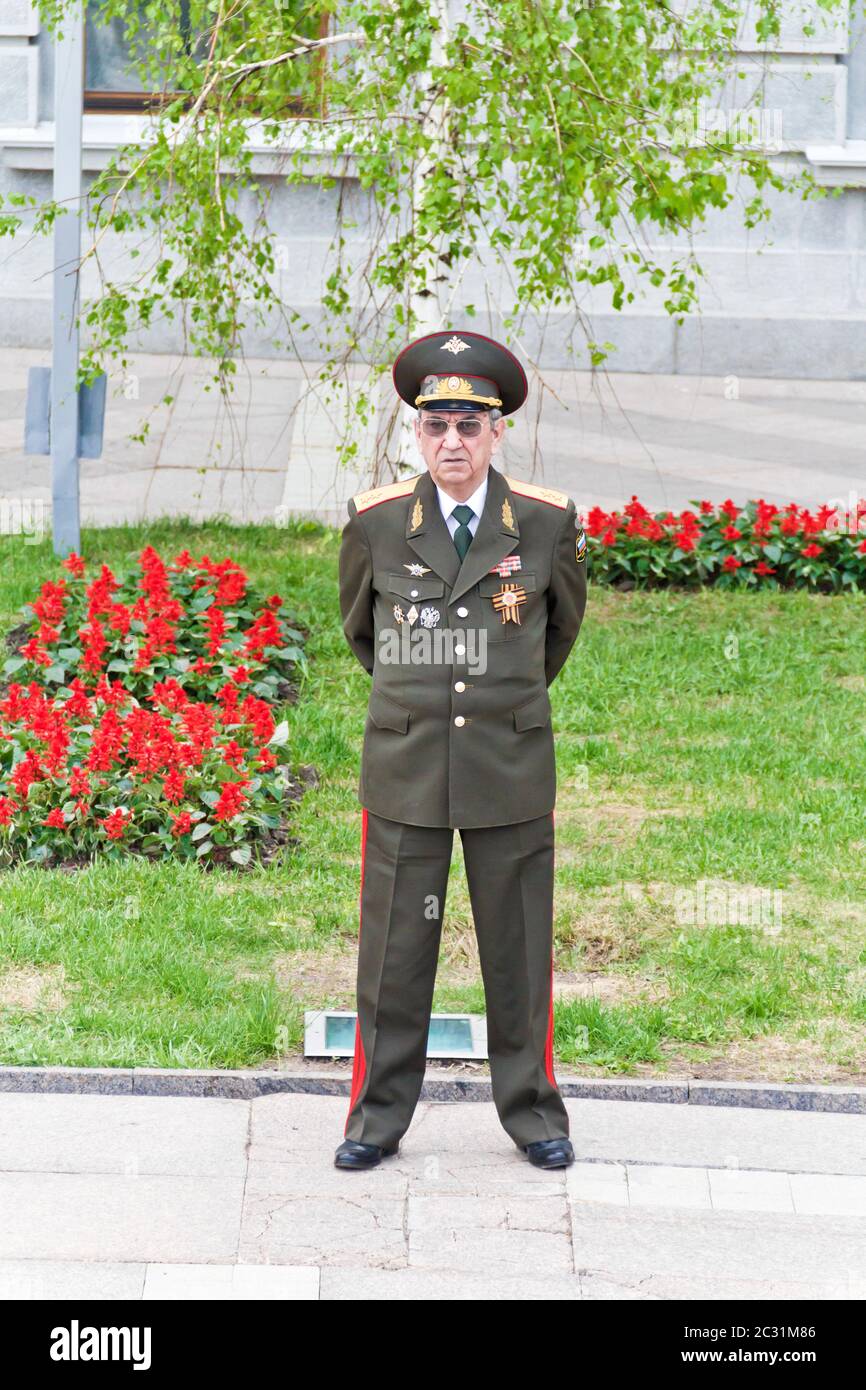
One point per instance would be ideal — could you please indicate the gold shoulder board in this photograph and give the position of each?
(374, 495)
(551, 495)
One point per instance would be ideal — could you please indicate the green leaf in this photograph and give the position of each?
(242, 855)
(280, 734)
(202, 829)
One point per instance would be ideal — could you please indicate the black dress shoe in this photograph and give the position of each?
(550, 1153)
(353, 1155)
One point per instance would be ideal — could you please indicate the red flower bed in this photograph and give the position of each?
(137, 715)
(754, 545)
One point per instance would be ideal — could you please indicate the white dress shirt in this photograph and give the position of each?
(476, 502)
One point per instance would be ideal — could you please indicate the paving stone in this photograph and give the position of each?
(231, 1282)
(666, 1186)
(46, 1280)
(542, 1213)
(732, 1189)
(514, 1252)
(131, 1135)
(639, 1242)
(718, 1136)
(106, 1216)
(821, 1194)
(298, 1228)
(598, 1182)
(429, 1285)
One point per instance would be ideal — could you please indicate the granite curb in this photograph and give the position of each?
(248, 1085)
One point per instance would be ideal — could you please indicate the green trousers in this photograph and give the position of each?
(404, 876)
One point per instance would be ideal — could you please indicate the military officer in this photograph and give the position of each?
(462, 592)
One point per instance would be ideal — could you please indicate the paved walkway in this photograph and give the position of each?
(148, 1197)
(670, 439)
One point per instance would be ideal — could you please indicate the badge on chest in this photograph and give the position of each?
(507, 602)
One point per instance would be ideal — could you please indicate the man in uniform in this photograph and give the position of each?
(462, 592)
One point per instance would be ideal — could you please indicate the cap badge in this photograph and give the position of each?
(455, 345)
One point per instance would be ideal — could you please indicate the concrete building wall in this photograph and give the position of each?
(786, 301)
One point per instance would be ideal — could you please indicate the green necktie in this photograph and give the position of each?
(462, 536)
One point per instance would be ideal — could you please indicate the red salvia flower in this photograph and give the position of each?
(116, 823)
(174, 786)
(74, 563)
(231, 801)
(233, 754)
(684, 540)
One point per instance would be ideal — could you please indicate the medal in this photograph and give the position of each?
(508, 601)
(506, 566)
(417, 571)
(429, 617)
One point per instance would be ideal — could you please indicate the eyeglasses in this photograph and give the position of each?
(436, 427)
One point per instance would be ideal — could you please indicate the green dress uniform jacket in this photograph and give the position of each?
(465, 739)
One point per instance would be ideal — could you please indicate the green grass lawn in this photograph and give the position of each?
(710, 746)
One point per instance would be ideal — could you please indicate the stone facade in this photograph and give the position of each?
(788, 300)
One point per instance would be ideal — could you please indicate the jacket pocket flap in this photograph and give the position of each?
(534, 714)
(418, 589)
(387, 714)
(492, 583)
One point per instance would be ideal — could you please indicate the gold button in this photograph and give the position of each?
(460, 686)
(463, 612)
(460, 721)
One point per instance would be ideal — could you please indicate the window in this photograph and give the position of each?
(112, 81)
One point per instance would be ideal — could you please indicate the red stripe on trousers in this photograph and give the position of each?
(359, 1063)
(548, 1046)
